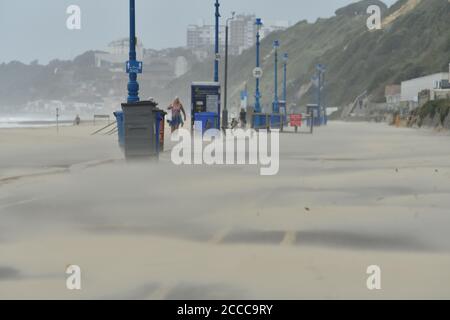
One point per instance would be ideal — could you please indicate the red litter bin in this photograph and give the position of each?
(296, 121)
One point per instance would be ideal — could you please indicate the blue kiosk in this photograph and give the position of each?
(205, 105)
(317, 115)
(283, 111)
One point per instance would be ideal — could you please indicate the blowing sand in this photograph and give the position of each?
(351, 196)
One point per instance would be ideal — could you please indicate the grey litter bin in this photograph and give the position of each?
(141, 129)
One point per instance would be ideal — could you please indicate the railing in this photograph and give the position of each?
(109, 127)
(266, 121)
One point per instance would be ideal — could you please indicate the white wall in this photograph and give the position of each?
(411, 88)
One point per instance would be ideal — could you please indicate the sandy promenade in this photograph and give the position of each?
(351, 196)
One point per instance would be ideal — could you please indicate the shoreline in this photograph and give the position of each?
(33, 124)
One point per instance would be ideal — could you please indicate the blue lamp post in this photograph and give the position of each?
(258, 65)
(216, 61)
(322, 99)
(320, 74)
(133, 66)
(225, 81)
(276, 109)
(285, 61)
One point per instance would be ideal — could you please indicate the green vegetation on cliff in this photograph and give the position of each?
(433, 114)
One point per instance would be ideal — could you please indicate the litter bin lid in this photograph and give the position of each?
(151, 103)
(205, 84)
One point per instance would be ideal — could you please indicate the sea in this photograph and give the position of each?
(11, 122)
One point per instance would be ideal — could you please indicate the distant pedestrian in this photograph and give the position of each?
(243, 118)
(77, 120)
(177, 109)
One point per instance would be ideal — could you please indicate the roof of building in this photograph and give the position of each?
(392, 90)
(439, 75)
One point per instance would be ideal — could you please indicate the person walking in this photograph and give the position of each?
(243, 118)
(77, 120)
(177, 109)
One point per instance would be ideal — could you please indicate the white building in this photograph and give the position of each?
(242, 34)
(393, 94)
(203, 36)
(117, 53)
(411, 88)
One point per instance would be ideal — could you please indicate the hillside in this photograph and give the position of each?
(414, 41)
(77, 80)
(20, 83)
(305, 42)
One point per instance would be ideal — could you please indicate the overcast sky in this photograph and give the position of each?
(36, 29)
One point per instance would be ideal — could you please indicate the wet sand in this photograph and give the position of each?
(351, 196)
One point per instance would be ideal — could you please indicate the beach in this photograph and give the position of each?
(348, 197)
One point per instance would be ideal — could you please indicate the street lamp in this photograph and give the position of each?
(57, 120)
(225, 107)
(276, 110)
(285, 61)
(320, 76)
(217, 54)
(258, 67)
(133, 66)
